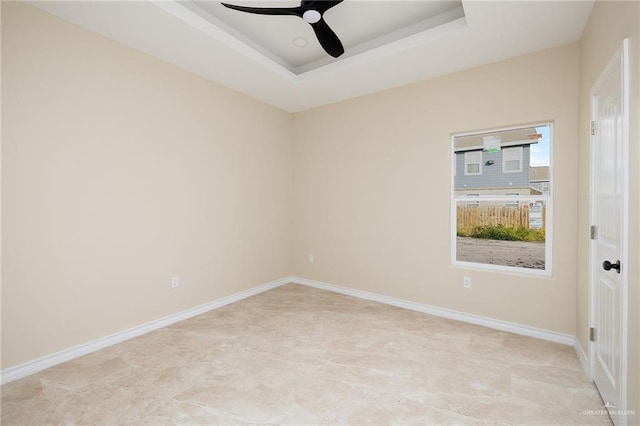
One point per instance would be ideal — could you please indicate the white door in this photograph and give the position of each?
(609, 171)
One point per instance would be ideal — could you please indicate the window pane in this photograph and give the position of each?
(494, 234)
(472, 160)
(512, 165)
(519, 161)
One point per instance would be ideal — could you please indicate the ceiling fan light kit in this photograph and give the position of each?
(312, 16)
(311, 11)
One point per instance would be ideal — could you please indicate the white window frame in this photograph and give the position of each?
(517, 149)
(489, 199)
(512, 203)
(467, 162)
(473, 203)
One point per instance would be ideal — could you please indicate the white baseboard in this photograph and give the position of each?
(525, 330)
(582, 357)
(32, 367)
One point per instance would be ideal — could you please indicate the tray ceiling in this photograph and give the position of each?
(387, 43)
(361, 26)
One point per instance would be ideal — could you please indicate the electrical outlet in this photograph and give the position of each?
(311, 258)
(466, 282)
(175, 281)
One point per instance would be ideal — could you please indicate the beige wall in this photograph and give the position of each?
(119, 171)
(608, 25)
(372, 188)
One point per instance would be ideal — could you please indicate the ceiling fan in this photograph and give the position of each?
(311, 11)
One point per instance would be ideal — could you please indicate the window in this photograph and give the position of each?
(512, 160)
(501, 215)
(472, 162)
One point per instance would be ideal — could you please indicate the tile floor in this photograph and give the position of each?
(298, 355)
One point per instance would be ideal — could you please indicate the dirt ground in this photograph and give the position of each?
(509, 253)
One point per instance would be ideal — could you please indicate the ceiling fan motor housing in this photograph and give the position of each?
(310, 11)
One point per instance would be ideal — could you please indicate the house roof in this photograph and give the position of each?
(539, 174)
(515, 137)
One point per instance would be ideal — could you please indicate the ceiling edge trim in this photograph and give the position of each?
(212, 30)
(431, 29)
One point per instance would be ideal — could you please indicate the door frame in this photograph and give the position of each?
(621, 56)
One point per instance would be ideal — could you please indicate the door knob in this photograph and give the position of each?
(609, 266)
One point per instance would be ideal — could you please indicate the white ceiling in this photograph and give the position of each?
(361, 26)
(387, 43)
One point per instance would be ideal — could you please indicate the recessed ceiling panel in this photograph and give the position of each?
(486, 32)
(360, 25)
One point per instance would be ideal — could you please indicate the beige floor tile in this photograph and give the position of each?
(299, 355)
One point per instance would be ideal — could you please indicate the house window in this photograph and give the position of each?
(512, 160)
(499, 222)
(472, 162)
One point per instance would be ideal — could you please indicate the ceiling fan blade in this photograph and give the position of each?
(327, 38)
(323, 6)
(296, 11)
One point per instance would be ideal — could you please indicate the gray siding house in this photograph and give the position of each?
(502, 172)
